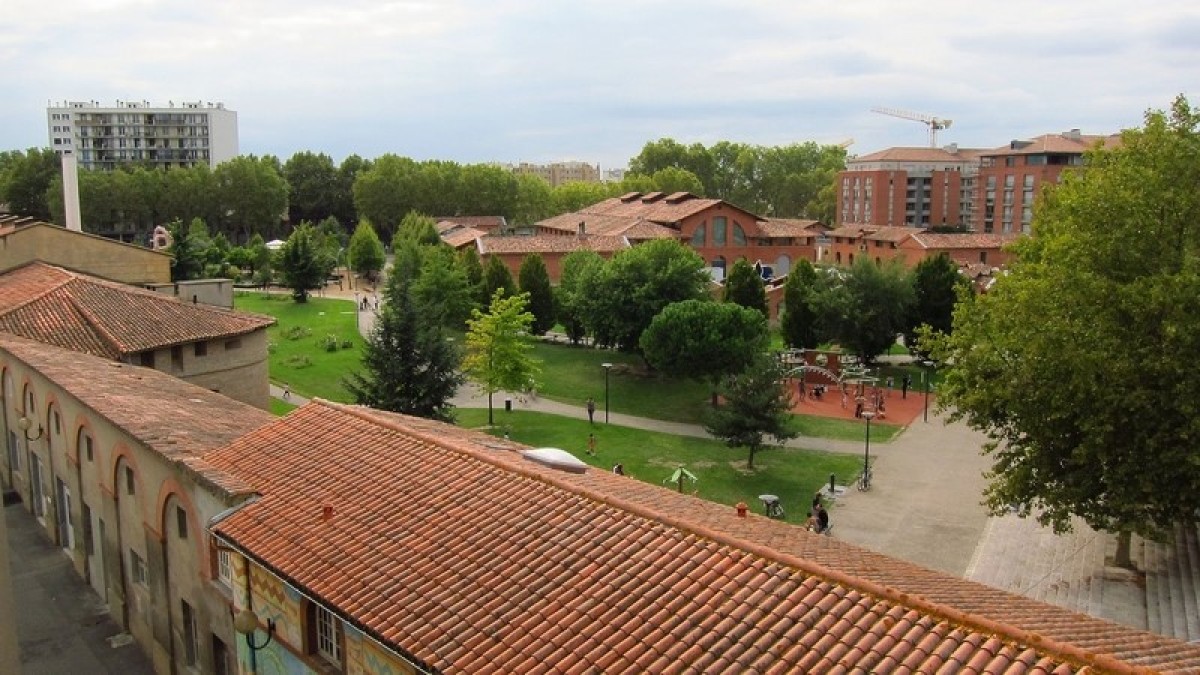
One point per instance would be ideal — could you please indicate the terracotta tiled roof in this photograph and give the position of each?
(1055, 143)
(76, 311)
(789, 227)
(452, 548)
(948, 241)
(933, 155)
(615, 215)
(178, 420)
(457, 236)
(485, 223)
(548, 243)
(875, 232)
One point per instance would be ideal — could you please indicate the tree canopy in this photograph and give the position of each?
(498, 348)
(366, 251)
(1079, 363)
(745, 287)
(704, 340)
(756, 404)
(534, 280)
(300, 263)
(936, 288)
(865, 307)
(798, 321)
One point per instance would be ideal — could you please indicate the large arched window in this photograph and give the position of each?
(719, 227)
(739, 235)
(700, 235)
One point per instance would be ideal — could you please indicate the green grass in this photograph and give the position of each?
(281, 408)
(843, 430)
(792, 474)
(299, 360)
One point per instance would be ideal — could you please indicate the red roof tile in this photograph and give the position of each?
(914, 155)
(81, 312)
(449, 546)
(1054, 143)
(486, 223)
(790, 227)
(548, 243)
(875, 232)
(931, 240)
(617, 214)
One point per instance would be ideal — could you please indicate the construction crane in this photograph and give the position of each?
(935, 124)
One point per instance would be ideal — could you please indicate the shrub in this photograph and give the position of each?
(296, 332)
(298, 361)
(347, 343)
(329, 343)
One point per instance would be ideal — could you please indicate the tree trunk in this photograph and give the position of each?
(750, 461)
(1122, 558)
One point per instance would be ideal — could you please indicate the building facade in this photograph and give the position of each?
(25, 240)
(134, 132)
(913, 187)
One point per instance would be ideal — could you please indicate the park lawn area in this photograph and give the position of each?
(844, 430)
(281, 408)
(297, 357)
(791, 474)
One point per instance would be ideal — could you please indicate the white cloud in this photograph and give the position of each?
(510, 80)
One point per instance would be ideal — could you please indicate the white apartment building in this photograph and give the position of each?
(178, 135)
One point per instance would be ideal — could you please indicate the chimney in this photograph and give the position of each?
(70, 173)
(1073, 135)
(326, 513)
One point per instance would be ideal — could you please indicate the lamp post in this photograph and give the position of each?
(865, 482)
(607, 367)
(928, 382)
(246, 623)
(357, 329)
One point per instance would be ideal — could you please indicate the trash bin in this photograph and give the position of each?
(508, 405)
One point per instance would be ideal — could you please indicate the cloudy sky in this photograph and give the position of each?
(519, 80)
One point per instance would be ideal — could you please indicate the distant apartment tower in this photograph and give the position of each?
(558, 173)
(1011, 177)
(914, 187)
(179, 135)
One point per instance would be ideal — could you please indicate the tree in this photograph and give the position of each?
(497, 277)
(366, 251)
(417, 228)
(441, 290)
(579, 269)
(535, 282)
(936, 288)
(757, 404)
(300, 264)
(313, 186)
(704, 340)
(379, 194)
(674, 179)
(636, 285)
(187, 253)
(498, 347)
(865, 307)
(252, 195)
(26, 181)
(798, 321)
(745, 287)
(342, 207)
(1079, 362)
(410, 366)
(468, 258)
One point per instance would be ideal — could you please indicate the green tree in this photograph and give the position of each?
(468, 258)
(186, 251)
(798, 321)
(496, 276)
(674, 179)
(252, 195)
(26, 181)
(636, 285)
(866, 307)
(575, 195)
(300, 263)
(936, 288)
(312, 181)
(1079, 362)
(704, 340)
(533, 201)
(441, 290)
(745, 287)
(535, 282)
(417, 228)
(409, 365)
(756, 404)
(379, 192)
(366, 251)
(499, 349)
(342, 207)
(579, 269)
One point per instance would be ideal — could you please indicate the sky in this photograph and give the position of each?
(576, 80)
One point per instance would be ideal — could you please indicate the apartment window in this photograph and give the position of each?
(191, 646)
(181, 523)
(137, 567)
(327, 634)
(1010, 161)
(129, 484)
(235, 343)
(200, 349)
(225, 567)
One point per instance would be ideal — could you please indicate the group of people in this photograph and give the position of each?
(818, 517)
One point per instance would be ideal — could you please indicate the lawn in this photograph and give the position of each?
(281, 408)
(297, 356)
(792, 474)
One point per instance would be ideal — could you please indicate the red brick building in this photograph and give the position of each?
(912, 245)
(915, 187)
(1011, 177)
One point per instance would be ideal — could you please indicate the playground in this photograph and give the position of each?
(825, 383)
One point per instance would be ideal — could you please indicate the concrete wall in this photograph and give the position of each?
(234, 366)
(133, 495)
(215, 292)
(85, 253)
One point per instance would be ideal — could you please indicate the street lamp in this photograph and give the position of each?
(864, 483)
(357, 329)
(607, 367)
(928, 382)
(246, 623)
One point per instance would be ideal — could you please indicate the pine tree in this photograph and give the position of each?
(535, 281)
(798, 320)
(410, 366)
(495, 277)
(744, 286)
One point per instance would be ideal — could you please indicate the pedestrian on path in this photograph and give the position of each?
(904, 385)
(592, 445)
(591, 408)
(287, 393)
(618, 469)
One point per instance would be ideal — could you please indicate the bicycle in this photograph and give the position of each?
(864, 480)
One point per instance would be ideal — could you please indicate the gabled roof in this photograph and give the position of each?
(452, 548)
(485, 223)
(612, 216)
(1068, 143)
(457, 236)
(790, 227)
(550, 243)
(85, 313)
(875, 232)
(923, 154)
(180, 421)
(949, 241)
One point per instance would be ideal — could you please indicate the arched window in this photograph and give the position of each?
(739, 235)
(700, 235)
(719, 231)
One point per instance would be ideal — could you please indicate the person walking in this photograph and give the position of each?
(591, 408)
(904, 385)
